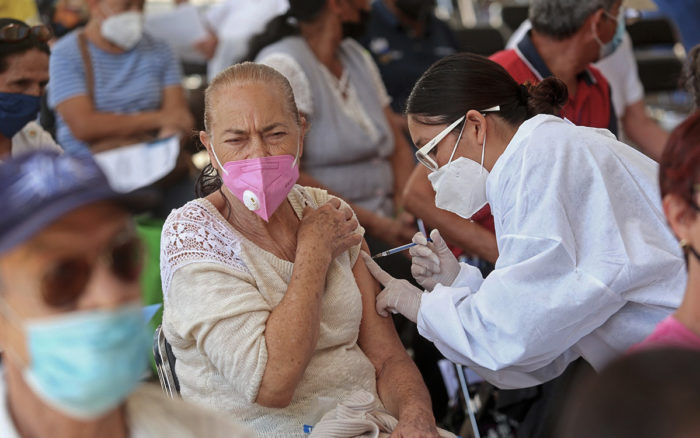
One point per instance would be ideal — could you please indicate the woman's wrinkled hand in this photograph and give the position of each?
(416, 426)
(330, 229)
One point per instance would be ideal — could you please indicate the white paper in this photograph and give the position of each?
(133, 167)
(181, 27)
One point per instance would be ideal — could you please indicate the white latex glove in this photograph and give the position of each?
(397, 296)
(433, 262)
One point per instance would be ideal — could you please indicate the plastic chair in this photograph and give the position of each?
(659, 71)
(165, 364)
(482, 40)
(650, 32)
(513, 16)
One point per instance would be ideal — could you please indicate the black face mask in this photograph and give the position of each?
(356, 29)
(418, 10)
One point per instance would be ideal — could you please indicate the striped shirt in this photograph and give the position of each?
(125, 83)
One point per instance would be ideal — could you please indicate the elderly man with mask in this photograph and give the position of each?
(24, 73)
(73, 337)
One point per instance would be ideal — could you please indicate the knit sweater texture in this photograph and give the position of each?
(219, 290)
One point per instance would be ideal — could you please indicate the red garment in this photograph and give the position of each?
(590, 106)
(483, 217)
(670, 333)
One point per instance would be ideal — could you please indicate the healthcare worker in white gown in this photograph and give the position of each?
(587, 264)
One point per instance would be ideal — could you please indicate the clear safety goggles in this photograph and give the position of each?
(423, 154)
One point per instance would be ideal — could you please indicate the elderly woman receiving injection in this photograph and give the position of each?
(269, 309)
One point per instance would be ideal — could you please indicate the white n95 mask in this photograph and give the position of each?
(124, 30)
(460, 185)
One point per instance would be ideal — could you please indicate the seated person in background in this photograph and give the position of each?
(405, 38)
(620, 69)
(269, 312)
(73, 336)
(567, 36)
(354, 149)
(235, 22)
(24, 73)
(679, 178)
(649, 394)
(130, 88)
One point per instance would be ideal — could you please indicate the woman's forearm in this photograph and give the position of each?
(402, 390)
(292, 329)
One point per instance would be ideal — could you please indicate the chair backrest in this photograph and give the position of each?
(513, 16)
(165, 364)
(651, 32)
(482, 40)
(659, 72)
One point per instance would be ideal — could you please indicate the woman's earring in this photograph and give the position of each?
(684, 243)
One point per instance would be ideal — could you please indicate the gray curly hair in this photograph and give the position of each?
(560, 19)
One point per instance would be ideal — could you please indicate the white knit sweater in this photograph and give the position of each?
(219, 290)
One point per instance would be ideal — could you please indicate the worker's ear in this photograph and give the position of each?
(476, 127)
(680, 216)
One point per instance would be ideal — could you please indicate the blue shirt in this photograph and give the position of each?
(125, 83)
(402, 58)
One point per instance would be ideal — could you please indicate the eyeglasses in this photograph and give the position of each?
(14, 33)
(423, 154)
(64, 283)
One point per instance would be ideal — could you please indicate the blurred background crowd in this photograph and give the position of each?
(90, 77)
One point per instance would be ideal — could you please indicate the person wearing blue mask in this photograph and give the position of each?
(74, 341)
(24, 73)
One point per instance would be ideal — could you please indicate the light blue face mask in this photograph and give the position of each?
(607, 49)
(86, 363)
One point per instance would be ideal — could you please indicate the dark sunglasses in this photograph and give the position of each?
(14, 33)
(64, 283)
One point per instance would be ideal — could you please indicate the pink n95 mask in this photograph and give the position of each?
(261, 184)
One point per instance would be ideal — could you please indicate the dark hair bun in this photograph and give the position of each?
(547, 97)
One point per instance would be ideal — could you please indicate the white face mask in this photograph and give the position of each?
(460, 185)
(124, 30)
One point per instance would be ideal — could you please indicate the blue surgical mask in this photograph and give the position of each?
(86, 363)
(16, 110)
(607, 49)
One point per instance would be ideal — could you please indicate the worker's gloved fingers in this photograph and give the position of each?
(427, 283)
(394, 296)
(438, 243)
(432, 266)
(423, 251)
(382, 303)
(418, 270)
(419, 239)
(374, 269)
(408, 302)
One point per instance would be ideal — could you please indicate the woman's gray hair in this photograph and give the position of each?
(248, 72)
(560, 19)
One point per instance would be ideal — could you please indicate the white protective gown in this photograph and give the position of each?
(587, 265)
